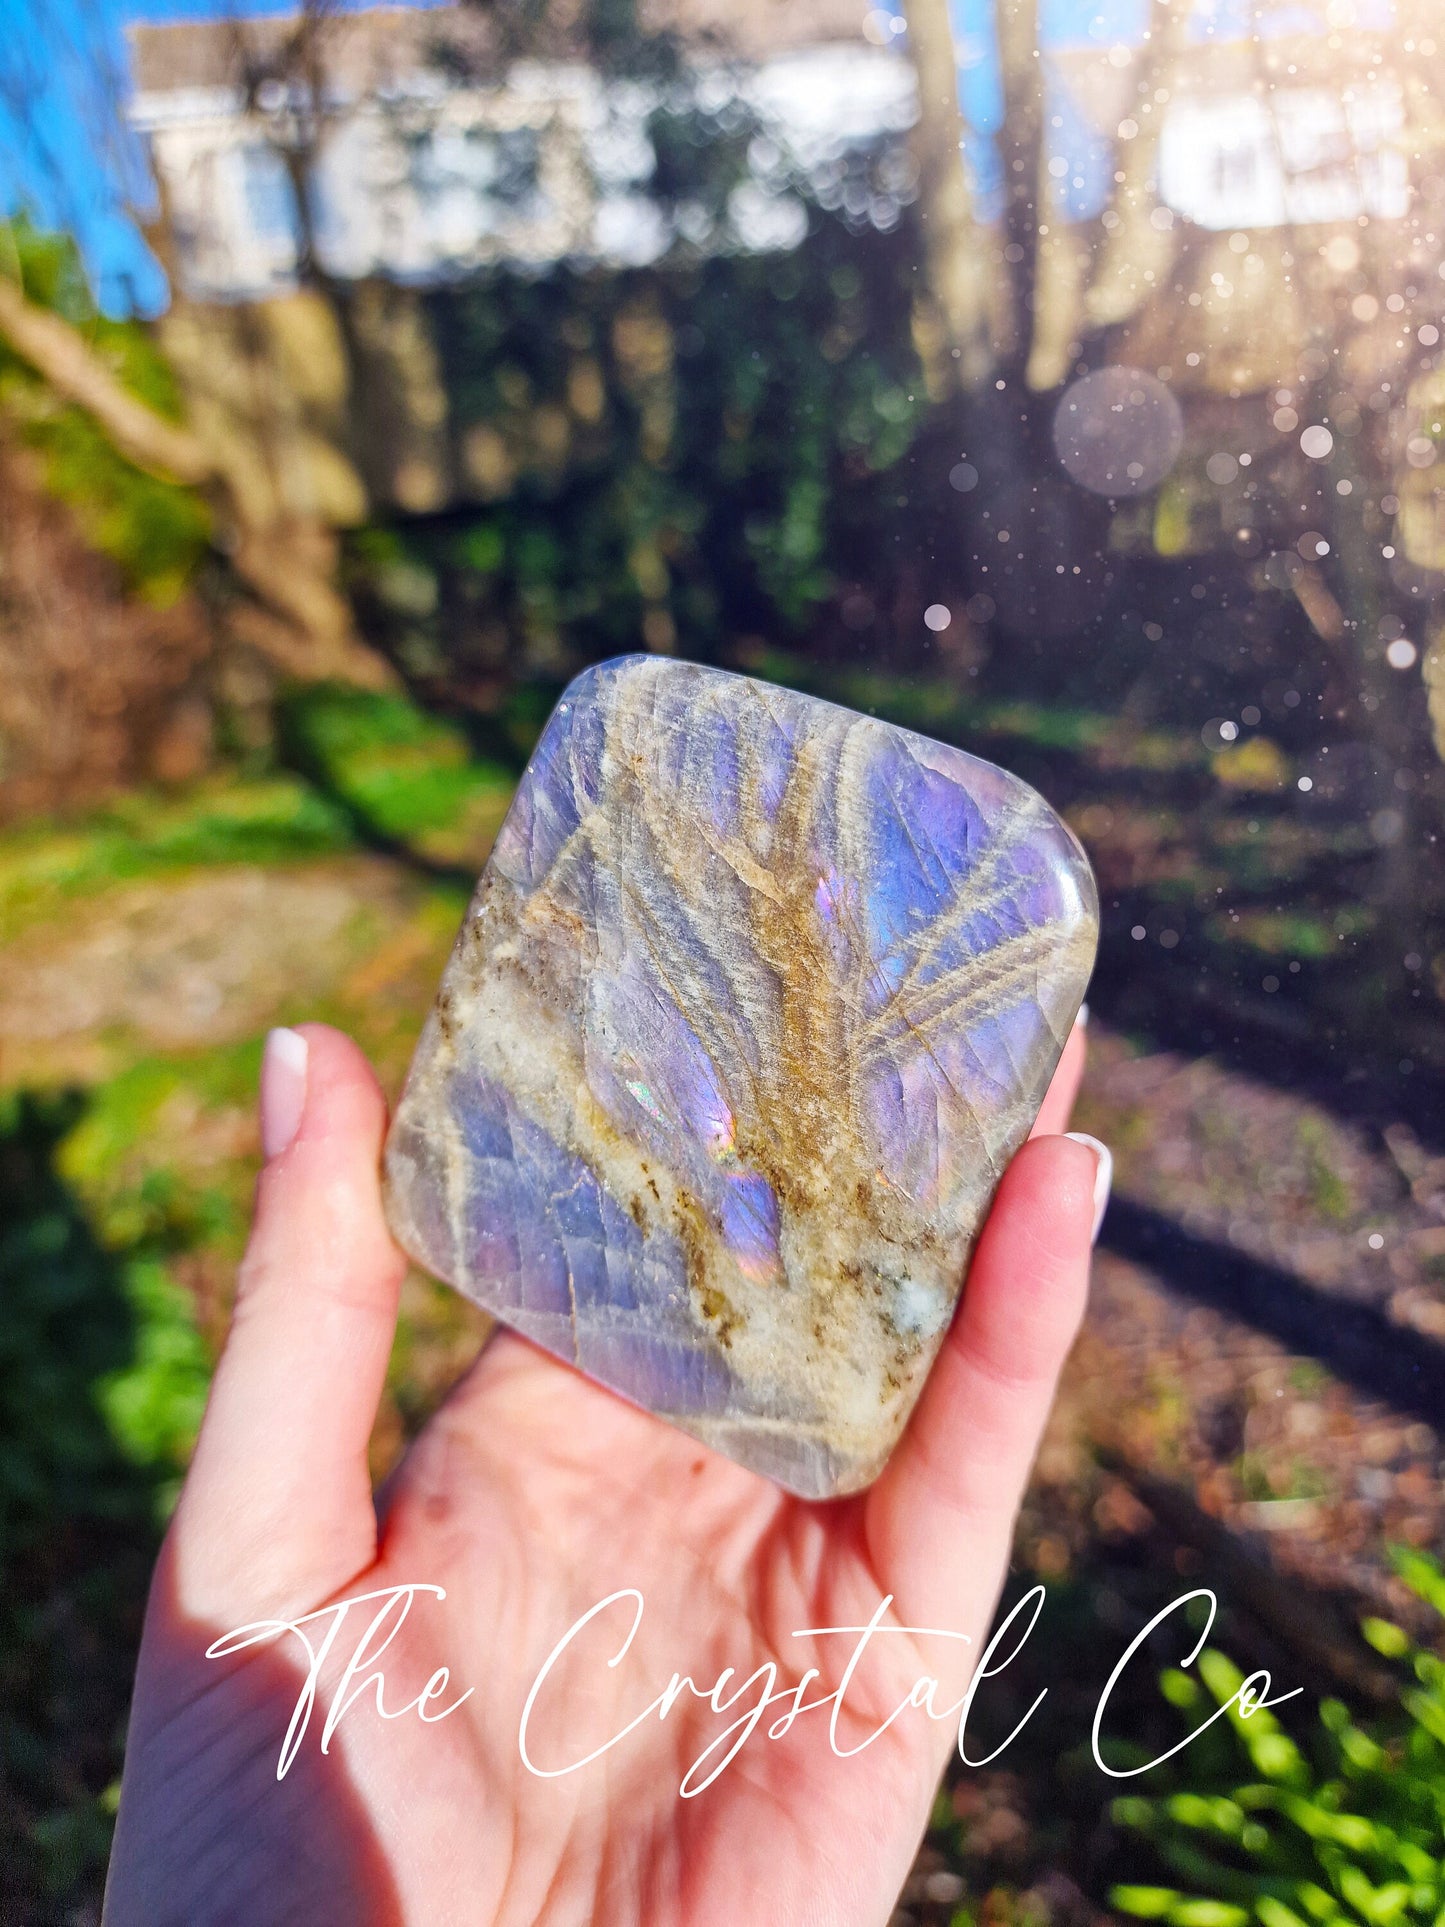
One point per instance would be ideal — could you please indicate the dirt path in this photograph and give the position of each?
(1279, 1352)
(188, 962)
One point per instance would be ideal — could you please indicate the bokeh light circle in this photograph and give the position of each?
(1118, 431)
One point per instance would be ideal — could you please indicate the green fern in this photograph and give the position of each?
(1350, 1830)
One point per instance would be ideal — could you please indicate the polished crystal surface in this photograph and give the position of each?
(754, 1001)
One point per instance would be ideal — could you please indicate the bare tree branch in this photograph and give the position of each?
(66, 360)
(296, 128)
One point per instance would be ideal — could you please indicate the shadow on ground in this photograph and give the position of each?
(1357, 1342)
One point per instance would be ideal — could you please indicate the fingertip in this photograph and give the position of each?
(343, 1096)
(283, 1090)
(319, 1217)
(319, 1196)
(1103, 1176)
(1034, 1247)
(1063, 1089)
(1052, 1178)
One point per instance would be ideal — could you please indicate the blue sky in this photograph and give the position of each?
(61, 62)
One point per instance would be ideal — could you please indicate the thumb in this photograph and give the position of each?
(278, 1499)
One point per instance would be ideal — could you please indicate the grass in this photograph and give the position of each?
(231, 818)
(371, 764)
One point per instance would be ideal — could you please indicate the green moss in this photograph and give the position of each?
(398, 772)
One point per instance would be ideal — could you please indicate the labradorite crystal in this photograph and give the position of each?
(755, 1000)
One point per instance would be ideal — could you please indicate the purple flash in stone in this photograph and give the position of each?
(755, 1000)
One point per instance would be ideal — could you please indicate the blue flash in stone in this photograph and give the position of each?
(754, 1002)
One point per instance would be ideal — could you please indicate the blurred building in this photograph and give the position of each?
(328, 194)
(409, 143)
(1249, 135)
(423, 149)
(1299, 155)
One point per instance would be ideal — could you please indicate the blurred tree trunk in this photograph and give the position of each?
(389, 431)
(1021, 152)
(1061, 276)
(1433, 670)
(956, 247)
(1091, 278)
(295, 131)
(1135, 253)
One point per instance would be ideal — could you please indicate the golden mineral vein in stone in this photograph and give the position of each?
(755, 1000)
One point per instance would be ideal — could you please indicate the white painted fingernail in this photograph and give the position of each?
(1103, 1177)
(1081, 1022)
(283, 1090)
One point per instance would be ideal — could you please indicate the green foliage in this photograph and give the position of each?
(64, 1322)
(102, 1374)
(49, 269)
(156, 531)
(1253, 1826)
(722, 442)
(102, 1377)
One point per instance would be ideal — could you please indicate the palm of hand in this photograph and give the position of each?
(531, 1458)
(532, 1496)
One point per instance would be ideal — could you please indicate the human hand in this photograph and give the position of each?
(529, 1497)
